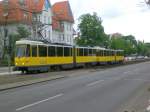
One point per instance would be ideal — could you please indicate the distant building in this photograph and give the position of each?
(63, 23)
(115, 35)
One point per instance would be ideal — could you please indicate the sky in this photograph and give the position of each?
(128, 17)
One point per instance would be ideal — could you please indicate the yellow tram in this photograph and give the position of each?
(39, 56)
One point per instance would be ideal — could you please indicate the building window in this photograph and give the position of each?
(49, 20)
(45, 19)
(39, 18)
(63, 37)
(70, 27)
(49, 34)
(25, 15)
(45, 33)
(68, 38)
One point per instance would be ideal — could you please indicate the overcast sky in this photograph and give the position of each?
(123, 16)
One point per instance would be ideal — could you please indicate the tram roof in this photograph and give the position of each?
(29, 42)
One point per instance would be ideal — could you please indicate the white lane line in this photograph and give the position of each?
(148, 108)
(127, 72)
(94, 83)
(38, 102)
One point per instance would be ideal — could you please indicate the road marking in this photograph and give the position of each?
(127, 72)
(148, 108)
(137, 80)
(94, 83)
(38, 102)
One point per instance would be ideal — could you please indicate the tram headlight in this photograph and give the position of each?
(22, 63)
(16, 63)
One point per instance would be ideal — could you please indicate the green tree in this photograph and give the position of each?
(141, 48)
(147, 49)
(22, 32)
(91, 31)
(126, 43)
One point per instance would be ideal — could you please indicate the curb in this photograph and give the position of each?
(27, 83)
(10, 73)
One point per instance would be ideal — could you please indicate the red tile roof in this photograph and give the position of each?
(61, 12)
(16, 10)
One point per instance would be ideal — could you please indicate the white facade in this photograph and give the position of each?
(45, 18)
(65, 36)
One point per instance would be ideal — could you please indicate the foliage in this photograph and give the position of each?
(22, 32)
(130, 45)
(92, 31)
(122, 43)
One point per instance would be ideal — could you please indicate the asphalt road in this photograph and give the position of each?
(98, 91)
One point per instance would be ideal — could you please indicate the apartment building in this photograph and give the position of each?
(62, 23)
(45, 22)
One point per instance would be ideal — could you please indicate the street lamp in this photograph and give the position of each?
(147, 2)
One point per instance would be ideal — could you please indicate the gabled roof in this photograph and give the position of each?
(38, 5)
(62, 11)
(17, 8)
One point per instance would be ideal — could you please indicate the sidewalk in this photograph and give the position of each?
(5, 69)
(28, 82)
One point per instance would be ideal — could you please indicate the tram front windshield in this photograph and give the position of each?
(22, 51)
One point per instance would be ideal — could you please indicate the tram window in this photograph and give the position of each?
(117, 53)
(90, 52)
(59, 51)
(42, 51)
(108, 53)
(98, 53)
(94, 52)
(51, 51)
(66, 51)
(20, 51)
(101, 53)
(77, 51)
(112, 53)
(105, 53)
(85, 52)
(80, 52)
(122, 53)
(28, 51)
(34, 51)
(71, 50)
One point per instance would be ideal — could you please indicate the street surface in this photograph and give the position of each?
(4, 69)
(97, 91)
